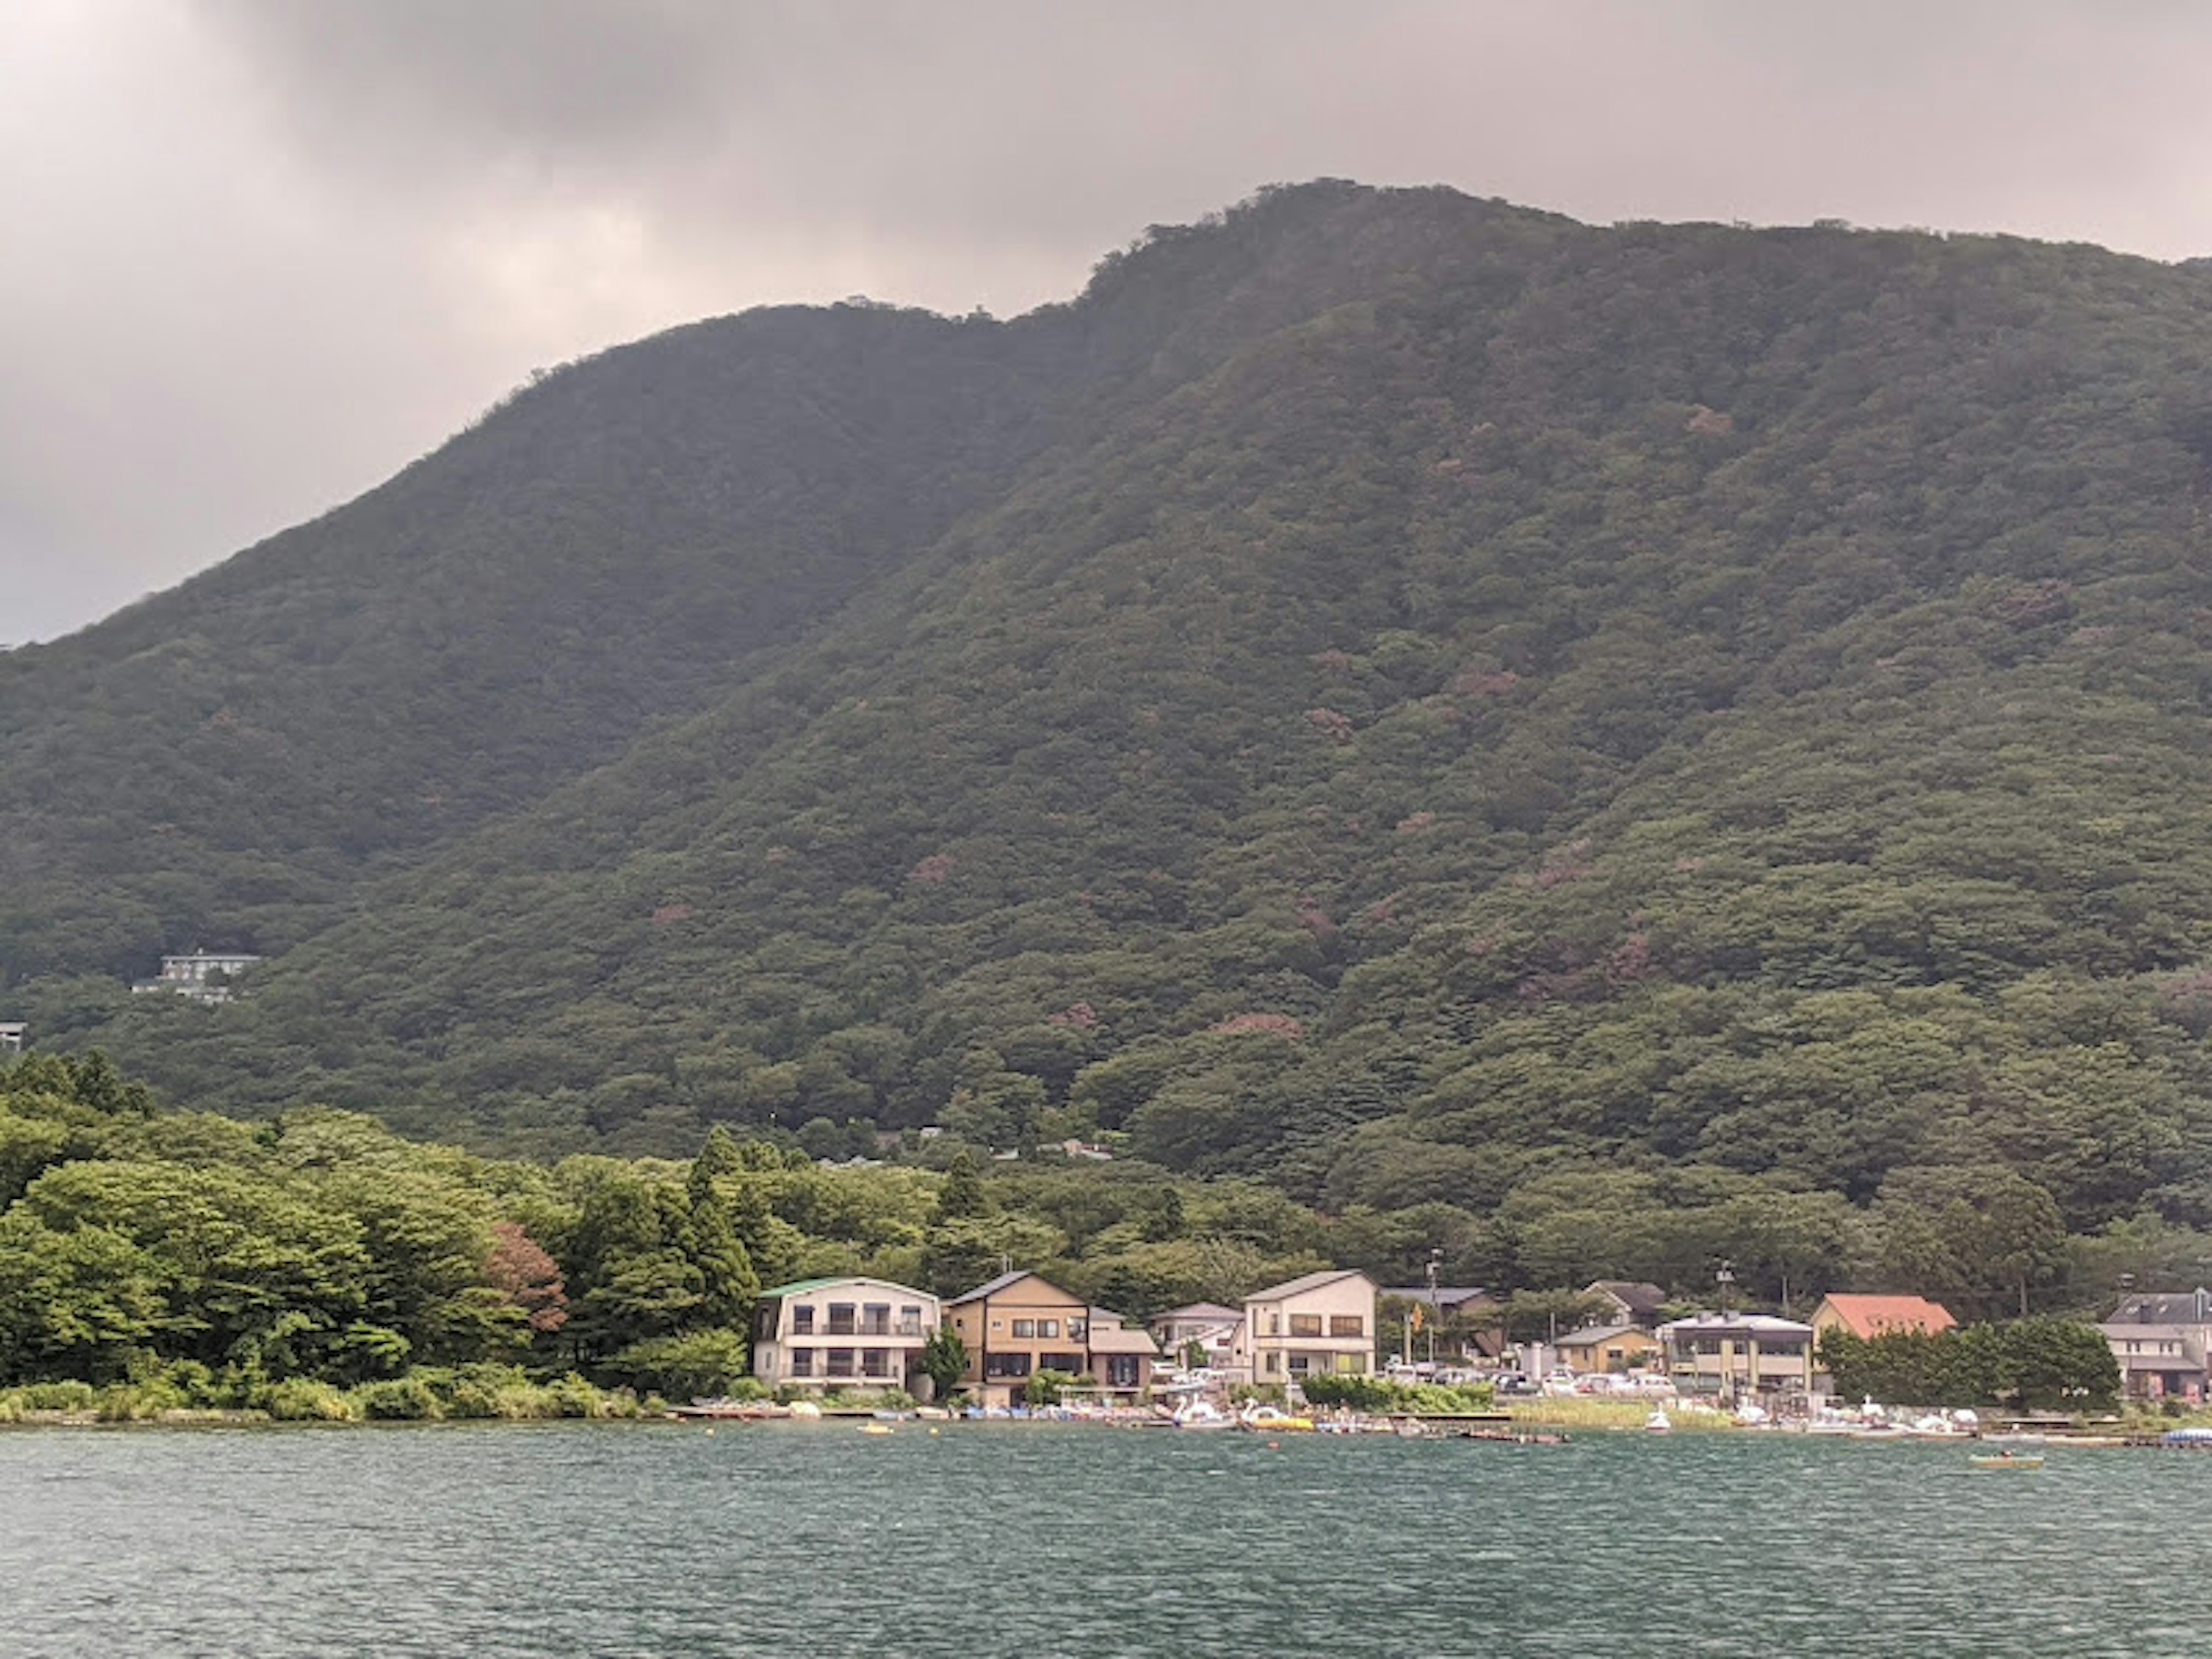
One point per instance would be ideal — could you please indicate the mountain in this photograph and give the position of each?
(1429, 702)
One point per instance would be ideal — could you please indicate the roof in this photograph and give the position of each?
(1591, 1334)
(2183, 1308)
(1206, 1312)
(1640, 1296)
(802, 1287)
(992, 1287)
(1736, 1324)
(1870, 1316)
(1444, 1295)
(1305, 1282)
(1118, 1339)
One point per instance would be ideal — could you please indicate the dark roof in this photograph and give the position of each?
(1447, 1296)
(1640, 1298)
(2182, 1307)
(1211, 1312)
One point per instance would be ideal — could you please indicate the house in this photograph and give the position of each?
(2163, 1344)
(1459, 1322)
(1122, 1355)
(11, 1039)
(1609, 1348)
(1626, 1301)
(2158, 1362)
(1737, 1355)
(1015, 1326)
(848, 1333)
(1212, 1327)
(1323, 1322)
(1870, 1316)
(205, 975)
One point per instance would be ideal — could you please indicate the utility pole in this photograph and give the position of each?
(1435, 1312)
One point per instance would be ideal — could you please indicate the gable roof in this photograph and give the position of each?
(992, 1287)
(1637, 1295)
(1870, 1316)
(804, 1286)
(1305, 1282)
(1211, 1313)
(1122, 1339)
(1446, 1296)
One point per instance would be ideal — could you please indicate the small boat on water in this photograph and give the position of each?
(1658, 1422)
(877, 1428)
(2006, 1459)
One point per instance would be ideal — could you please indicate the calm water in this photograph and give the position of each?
(1005, 1539)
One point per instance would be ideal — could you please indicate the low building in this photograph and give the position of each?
(1209, 1325)
(850, 1333)
(204, 976)
(1319, 1322)
(12, 1038)
(1738, 1355)
(1015, 1326)
(1609, 1348)
(1869, 1316)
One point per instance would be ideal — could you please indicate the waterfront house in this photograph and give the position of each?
(1212, 1327)
(2163, 1343)
(1738, 1355)
(1015, 1326)
(2158, 1362)
(1610, 1348)
(1318, 1322)
(1121, 1355)
(848, 1332)
(1869, 1316)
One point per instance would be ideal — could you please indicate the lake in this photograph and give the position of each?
(785, 1538)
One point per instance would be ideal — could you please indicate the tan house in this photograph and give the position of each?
(1320, 1322)
(852, 1333)
(1610, 1348)
(1014, 1326)
(1870, 1316)
(2163, 1344)
(1739, 1355)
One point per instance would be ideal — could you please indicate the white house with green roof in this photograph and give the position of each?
(842, 1333)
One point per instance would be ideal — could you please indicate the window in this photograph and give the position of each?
(841, 1361)
(1077, 1329)
(1006, 1364)
(1121, 1370)
(1275, 1364)
(802, 1321)
(1024, 1329)
(1305, 1324)
(841, 1319)
(802, 1362)
(1049, 1327)
(1070, 1362)
(909, 1321)
(875, 1319)
(875, 1361)
(1301, 1364)
(1347, 1325)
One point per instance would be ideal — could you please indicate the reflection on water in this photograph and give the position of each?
(989, 1539)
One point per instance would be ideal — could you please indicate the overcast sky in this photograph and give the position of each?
(258, 254)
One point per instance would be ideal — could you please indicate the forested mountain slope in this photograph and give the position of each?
(1429, 703)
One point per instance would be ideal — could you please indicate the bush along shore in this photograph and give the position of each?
(426, 1394)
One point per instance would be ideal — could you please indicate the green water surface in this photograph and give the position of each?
(994, 1538)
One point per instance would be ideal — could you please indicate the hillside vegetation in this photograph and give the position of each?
(1451, 711)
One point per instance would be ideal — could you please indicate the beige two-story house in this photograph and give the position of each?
(1320, 1322)
(1015, 1326)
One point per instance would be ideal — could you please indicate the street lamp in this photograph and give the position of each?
(1724, 1276)
(1436, 1258)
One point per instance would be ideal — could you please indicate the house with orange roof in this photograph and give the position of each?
(1869, 1316)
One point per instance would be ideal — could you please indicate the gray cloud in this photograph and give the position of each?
(267, 252)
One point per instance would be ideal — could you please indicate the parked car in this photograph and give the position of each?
(1516, 1382)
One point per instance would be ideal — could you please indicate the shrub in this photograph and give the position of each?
(398, 1399)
